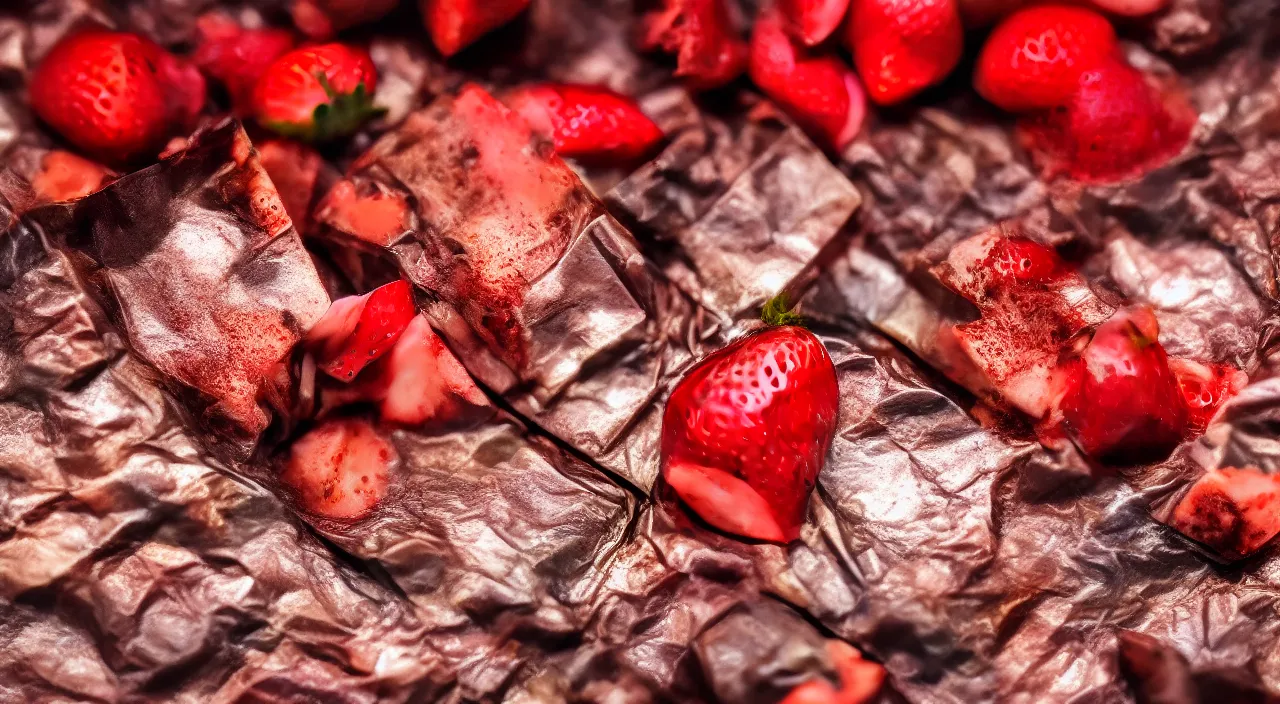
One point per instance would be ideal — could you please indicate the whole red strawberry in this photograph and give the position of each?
(903, 46)
(1117, 125)
(812, 21)
(747, 430)
(114, 94)
(587, 122)
(317, 93)
(709, 52)
(818, 90)
(1124, 403)
(235, 56)
(455, 24)
(1034, 58)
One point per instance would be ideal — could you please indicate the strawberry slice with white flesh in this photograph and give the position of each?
(340, 470)
(359, 329)
(1233, 511)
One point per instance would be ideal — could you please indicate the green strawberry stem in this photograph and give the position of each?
(341, 116)
(778, 311)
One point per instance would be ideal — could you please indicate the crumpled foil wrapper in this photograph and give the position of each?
(148, 553)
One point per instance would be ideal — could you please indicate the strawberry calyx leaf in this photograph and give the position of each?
(342, 115)
(779, 311)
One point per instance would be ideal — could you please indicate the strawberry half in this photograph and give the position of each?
(420, 381)
(114, 94)
(745, 433)
(1116, 125)
(903, 46)
(709, 53)
(237, 57)
(1034, 58)
(812, 21)
(455, 24)
(358, 329)
(587, 122)
(317, 93)
(1125, 403)
(340, 470)
(818, 90)
(1233, 511)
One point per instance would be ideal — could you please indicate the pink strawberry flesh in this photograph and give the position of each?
(380, 317)
(340, 470)
(1205, 387)
(860, 679)
(420, 381)
(1124, 403)
(812, 21)
(1233, 511)
(747, 430)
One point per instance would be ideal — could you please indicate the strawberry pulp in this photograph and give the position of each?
(745, 433)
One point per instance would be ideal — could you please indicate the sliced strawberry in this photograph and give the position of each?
(746, 431)
(293, 168)
(455, 24)
(343, 349)
(709, 52)
(812, 21)
(860, 680)
(1130, 8)
(1034, 58)
(1233, 511)
(424, 382)
(64, 176)
(377, 217)
(902, 47)
(340, 470)
(317, 93)
(1124, 403)
(587, 122)
(321, 19)
(115, 95)
(818, 90)
(1117, 125)
(237, 57)
(1205, 387)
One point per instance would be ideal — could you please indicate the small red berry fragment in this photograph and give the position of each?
(1116, 125)
(709, 52)
(63, 176)
(358, 329)
(114, 94)
(1124, 403)
(812, 21)
(1034, 58)
(860, 679)
(745, 433)
(587, 122)
(1205, 387)
(321, 19)
(376, 217)
(340, 470)
(1130, 8)
(317, 93)
(818, 90)
(235, 56)
(455, 24)
(293, 168)
(1235, 512)
(902, 47)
